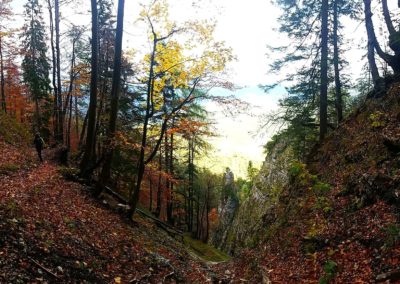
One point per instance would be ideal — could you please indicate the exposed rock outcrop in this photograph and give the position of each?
(226, 210)
(250, 219)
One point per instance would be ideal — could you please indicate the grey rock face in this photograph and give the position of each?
(247, 225)
(226, 210)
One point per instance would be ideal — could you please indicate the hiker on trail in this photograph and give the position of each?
(39, 144)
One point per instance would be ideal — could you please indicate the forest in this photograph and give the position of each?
(108, 126)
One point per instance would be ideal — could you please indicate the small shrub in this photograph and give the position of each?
(324, 204)
(321, 188)
(69, 173)
(377, 119)
(8, 168)
(392, 233)
(330, 268)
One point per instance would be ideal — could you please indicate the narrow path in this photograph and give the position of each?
(51, 230)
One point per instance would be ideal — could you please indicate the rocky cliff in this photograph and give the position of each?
(244, 224)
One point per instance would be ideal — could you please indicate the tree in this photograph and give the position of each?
(394, 43)
(172, 78)
(88, 157)
(323, 99)
(60, 118)
(35, 65)
(116, 86)
(5, 13)
(371, 45)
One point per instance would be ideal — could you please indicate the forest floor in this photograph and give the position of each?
(53, 231)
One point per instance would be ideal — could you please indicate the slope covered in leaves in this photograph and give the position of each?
(338, 219)
(52, 230)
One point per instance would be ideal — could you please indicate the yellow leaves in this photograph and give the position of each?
(117, 280)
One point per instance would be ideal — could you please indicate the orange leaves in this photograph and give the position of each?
(188, 127)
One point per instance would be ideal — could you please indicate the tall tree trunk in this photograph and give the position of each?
(392, 60)
(71, 81)
(54, 77)
(338, 85)
(388, 20)
(38, 115)
(76, 118)
(371, 46)
(3, 94)
(324, 71)
(83, 131)
(159, 187)
(115, 90)
(134, 199)
(207, 213)
(68, 133)
(87, 159)
(151, 194)
(171, 184)
(60, 136)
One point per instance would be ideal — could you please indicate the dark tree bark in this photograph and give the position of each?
(371, 46)
(392, 60)
(141, 162)
(76, 118)
(159, 187)
(324, 71)
(151, 195)
(115, 90)
(68, 134)
(170, 204)
(54, 67)
(60, 134)
(83, 131)
(88, 156)
(3, 94)
(338, 85)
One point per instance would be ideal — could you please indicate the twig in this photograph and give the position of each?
(135, 280)
(44, 268)
(169, 275)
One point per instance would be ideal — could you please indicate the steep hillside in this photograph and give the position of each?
(54, 231)
(337, 218)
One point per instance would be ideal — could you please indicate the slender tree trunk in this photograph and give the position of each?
(71, 81)
(87, 159)
(338, 85)
(170, 204)
(83, 131)
(3, 93)
(388, 20)
(151, 195)
(38, 115)
(76, 118)
(115, 90)
(392, 60)
(371, 46)
(207, 213)
(141, 162)
(69, 124)
(159, 188)
(324, 71)
(60, 136)
(54, 77)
